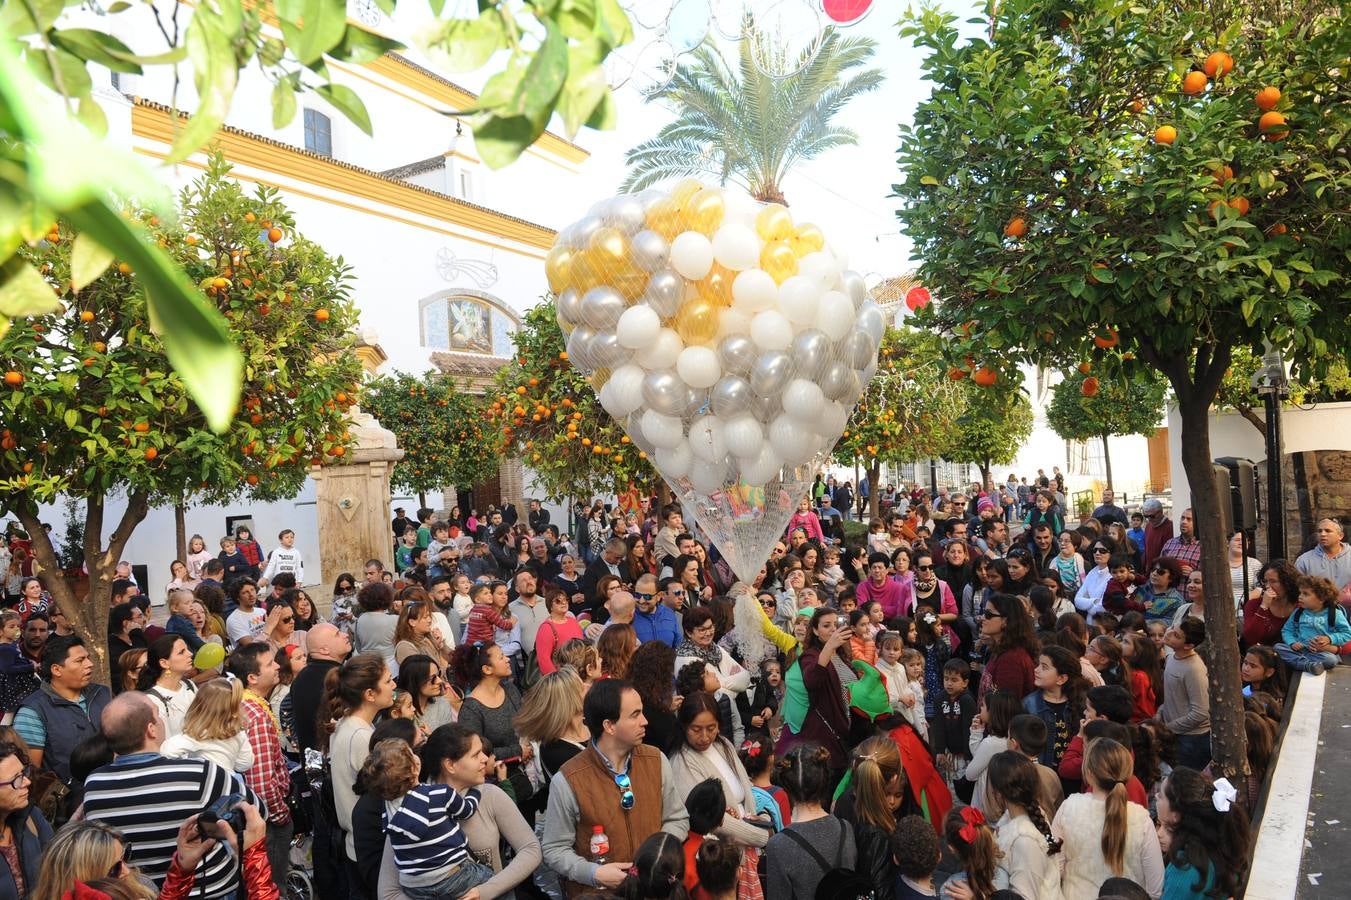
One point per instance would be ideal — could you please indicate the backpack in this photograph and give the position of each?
(837, 882)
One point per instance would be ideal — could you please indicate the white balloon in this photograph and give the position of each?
(803, 400)
(835, 315)
(791, 441)
(663, 352)
(733, 321)
(661, 430)
(736, 247)
(871, 320)
(673, 462)
(739, 209)
(833, 419)
(638, 327)
(799, 297)
(626, 390)
(698, 367)
(706, 438)
(763, 468)
(691, 255)
(708, 477)
(841, 259)
(770, 330)
(819, 266)
(743, 436)
(753, 290)
(854, 287)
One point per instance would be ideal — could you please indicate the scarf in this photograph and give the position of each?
(255, 697)
(712, 654)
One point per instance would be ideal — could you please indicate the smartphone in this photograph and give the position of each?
(841, 621)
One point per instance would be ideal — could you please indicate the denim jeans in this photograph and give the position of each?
(1193, 750)
(470, 874)
(279, 851)
(1303, 660)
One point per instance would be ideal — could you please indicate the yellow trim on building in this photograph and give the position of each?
(155, 123)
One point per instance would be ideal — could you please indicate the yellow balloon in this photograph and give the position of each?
(808, 239)
(716, 286)
(628, 279)
(585, 272)
(774, 223)
(705, 210)
(683, 192)
(608, 248)
(563, 325)
(664, 219)
(599, 378)
(697, 321)
(558, 267)
(778, 259)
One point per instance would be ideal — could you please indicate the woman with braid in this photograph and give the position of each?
(1023, 833)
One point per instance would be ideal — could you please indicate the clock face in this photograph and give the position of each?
(365, 12)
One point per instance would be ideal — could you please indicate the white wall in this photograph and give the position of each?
(1326, 426)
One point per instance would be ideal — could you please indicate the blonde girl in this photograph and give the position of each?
(583, 659)
(878, 786)
(912, 697)
(890, 655)
(214, 729)
(197, 556)
(1103, 833)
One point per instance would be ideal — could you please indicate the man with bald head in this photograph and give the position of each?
(621, 607)
(1331, 557)
(146, 794)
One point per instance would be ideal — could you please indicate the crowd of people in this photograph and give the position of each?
(973, 701)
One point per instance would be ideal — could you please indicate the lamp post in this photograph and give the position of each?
(1271, 384)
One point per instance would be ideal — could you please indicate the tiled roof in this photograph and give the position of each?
(467, 364)
(421, 167)
(892, 290)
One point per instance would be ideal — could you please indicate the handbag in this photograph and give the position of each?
(47, 792)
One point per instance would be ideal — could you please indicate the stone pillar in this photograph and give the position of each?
(353, 497)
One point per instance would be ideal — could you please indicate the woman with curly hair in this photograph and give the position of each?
(1272, 601)
(1014, 648)
(1205, 836)
(652, 674)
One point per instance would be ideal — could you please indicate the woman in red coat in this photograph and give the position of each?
(1012, 637)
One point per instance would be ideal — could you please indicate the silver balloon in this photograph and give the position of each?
(871, 320)
(811, 352)
(579, 348)
(569, 307)
(584, 229)
(732, 394)
(771, 372)
(602, 307)
(838, 380)
(857, 348)
(665, 392)
(696, 402)
(633, 424)
(854, 288)
(665, 291)
(626, 213)
(737, 354)
(650, 250)
(650, 197)
(607, 351)
(767, 409)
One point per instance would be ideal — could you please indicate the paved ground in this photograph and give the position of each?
(1325, 870)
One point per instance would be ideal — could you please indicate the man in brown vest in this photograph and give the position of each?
(618, 783)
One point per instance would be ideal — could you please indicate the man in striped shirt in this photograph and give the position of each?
(148, 796)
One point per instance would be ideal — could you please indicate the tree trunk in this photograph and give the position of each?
(873, 509)
(1228, 740)
(1107, 460)
(422, 499)
(181, 531)
(89, 619)
(984, 472)
(1253, 418)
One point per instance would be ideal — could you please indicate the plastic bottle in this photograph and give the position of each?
(600, 845)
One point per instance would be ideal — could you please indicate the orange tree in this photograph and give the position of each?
(548, 415)
(1087, 405)
(92, 410)
(1160, 177)
(908, 411)
(995, 422)
(440, 429)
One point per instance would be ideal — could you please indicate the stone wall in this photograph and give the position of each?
(1317, 486)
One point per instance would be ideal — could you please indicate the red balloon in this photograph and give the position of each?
(846, 12)
(917, 298)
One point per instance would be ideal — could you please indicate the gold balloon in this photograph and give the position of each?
(599, 378)
(563, 325)
(808, 239)
(716, 286)
(705, 210)
(683, 192)
(628, 279)
(697, 321)
(586, 273)
(664, 219)
(774, 223)
(778, 259)
(608, 248)
(558, 268)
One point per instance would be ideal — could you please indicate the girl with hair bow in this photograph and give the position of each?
(1204, 834)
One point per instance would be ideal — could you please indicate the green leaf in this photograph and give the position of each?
(283, 103)
(1247, 306)
(214, 73)
(346, 101)
(583, 91)
(928, 179)
(463, 45)
(23, 292)
(60, 71)
(1282, 279)
(312, 27)
(544, 77)
(1301, 265)
(88, 260)
(499, 140)
(195, 335)
(612, 24)
(97, 47)
(17, 18)
(1265, 265)
(71, 417)
(90, 114)
(361, 46)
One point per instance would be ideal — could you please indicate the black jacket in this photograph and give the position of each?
(307, 694)
(31, 836)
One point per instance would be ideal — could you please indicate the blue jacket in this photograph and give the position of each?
(658, 625)
(1305, 625)
(182, 626)
(31, 835)
(1059, 730)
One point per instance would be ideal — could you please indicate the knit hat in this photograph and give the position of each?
(984, 503)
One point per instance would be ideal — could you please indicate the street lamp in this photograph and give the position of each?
(1273, 386)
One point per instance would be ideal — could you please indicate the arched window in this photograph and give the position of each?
(467, 322)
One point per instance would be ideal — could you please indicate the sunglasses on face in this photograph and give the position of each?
(1099, 549)
(122, 864)
(928, 568)
(992, 614)
(642, 596)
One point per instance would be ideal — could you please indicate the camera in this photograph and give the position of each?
(223, 810)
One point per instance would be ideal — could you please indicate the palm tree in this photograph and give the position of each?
(746, 127)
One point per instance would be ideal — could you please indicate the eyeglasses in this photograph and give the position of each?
(288, 620)
(122, 864)
(642, 596)
(1160, 570)
(25, 774)
(625, 792)
(928, 568)
(677, 593)
(1100, 550)
(992, 614)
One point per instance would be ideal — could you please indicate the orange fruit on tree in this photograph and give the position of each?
(124, 269)
(1267, 98)
(1240, 205)
(150, 454)
(86, 316)
(1270, 126)
(1278, 228)
(251, 479)
(1085, 367)
(191, 240)
(1090, 387)
(521, 390)
(141, 427)
(13, 378)
(321, 315)
(1194, 83)
(274, 234)
(956, 374)
(985, 377)
(1165, 134)
(1016, 227)
(1222, 174)
(220, 283)
(1106, 340)
(1137, 105)
(339, 450)
(1219, 64)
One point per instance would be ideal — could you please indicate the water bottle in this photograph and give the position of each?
(600, 845)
